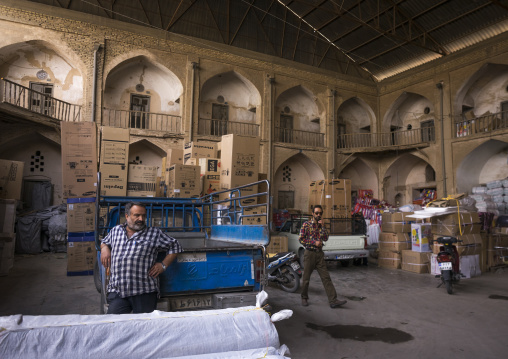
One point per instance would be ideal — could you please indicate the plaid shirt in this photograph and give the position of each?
(132, 258)
(310, 233)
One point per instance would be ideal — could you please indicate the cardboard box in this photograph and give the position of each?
(142, 181)
(7, 246)
(210, 184)
(11, 179)
(114, 161)
(394, 242)
(81, 253)
(174, 157)
(278, 244)
(7, 215)
(396, 222)
(262, 188)
(184, 181)
(209, 166)
(199, 150)
(454, 224)
(337, 198)
(389, 259)
(256, 220)
(79, 159)
(421, 236)
(416, 262)
(80, 214)
(240, 164)
(469, 249)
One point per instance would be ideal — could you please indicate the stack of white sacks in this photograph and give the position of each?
(493, 198)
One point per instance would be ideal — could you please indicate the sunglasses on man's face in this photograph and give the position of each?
(318, 213)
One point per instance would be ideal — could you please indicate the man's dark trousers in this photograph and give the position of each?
(316, 260)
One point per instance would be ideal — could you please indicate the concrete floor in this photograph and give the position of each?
(390, 313)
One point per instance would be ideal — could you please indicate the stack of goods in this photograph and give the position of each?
(394, 239)
(369, 207)
(465, 226)
(498, 243)
(81, 253)
(426, 196)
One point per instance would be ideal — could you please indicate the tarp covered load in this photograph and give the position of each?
(151, 335)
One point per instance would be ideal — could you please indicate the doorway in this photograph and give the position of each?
(140, 108)
(220, 116)
(286, 129)
(286, 199)
(41, 100)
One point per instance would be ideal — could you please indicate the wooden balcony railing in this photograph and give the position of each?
(38, 102)
(222, 127)
(478, 125)
(386, 140)
(306, 138)
(141, 120)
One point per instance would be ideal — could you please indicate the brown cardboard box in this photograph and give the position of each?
(210, 184)
(261, 219)
(337, 199)
(79, 159)
(7, 245)
(278, 244)
(7, 215)
(11, 179)
(114, 161)
(448, 225)
(80, 214)
(192, 161)
(396, 222)
(389, 259)
(240, 164)
(199, 150)
(394, 242)
(160, 187)
(174, 157)
(184, 181)
(416, 262)
(81, 254)
(142, 181)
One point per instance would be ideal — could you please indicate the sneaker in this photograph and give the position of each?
(305, 303)
(337, 303)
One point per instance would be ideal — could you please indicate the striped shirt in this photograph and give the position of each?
(132, 258)
(310, 233)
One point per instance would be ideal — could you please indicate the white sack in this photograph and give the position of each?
(268, 353)
(479, 190)
(499, 191)
(152, 335)
(494, 184)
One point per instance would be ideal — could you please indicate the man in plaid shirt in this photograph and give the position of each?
(312, 236)
(130, 250)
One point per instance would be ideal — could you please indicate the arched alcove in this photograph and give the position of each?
(362, 176)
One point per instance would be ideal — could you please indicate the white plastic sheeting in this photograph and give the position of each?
(262, 353)
(153, 335)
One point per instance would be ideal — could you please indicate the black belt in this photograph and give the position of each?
(313, 249)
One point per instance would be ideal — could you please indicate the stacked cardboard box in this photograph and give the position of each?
(184, 181)
(81, 253)
(416, 262)
(278, 244)
(394, 239)
(465, 226)
(114, 161)
(11, 179)
(79, 159)
(199, 150)
(258, 215)
(240, 164)
(497, 248)
(142, 181)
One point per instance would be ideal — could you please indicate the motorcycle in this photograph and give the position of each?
(448, 261)
(284, 269)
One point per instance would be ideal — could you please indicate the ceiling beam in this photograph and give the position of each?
(175, 18)
(144, 11)
(214, 21)
(241, 22)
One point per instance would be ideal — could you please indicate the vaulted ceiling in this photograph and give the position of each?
(369, 39)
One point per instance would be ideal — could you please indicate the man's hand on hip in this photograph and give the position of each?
(156, 270)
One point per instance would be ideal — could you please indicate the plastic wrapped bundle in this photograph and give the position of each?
(505, 182)
(479, 190)
(481, 197)
(506, 191)
(501, 206)
(150, 335)
(499, 191)
(505, 198)
(494, 184)
(498, 199)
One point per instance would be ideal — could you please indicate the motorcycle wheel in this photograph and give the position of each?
(449, 287)
(293, 280)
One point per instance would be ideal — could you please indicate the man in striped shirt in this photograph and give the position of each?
(130, 250)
